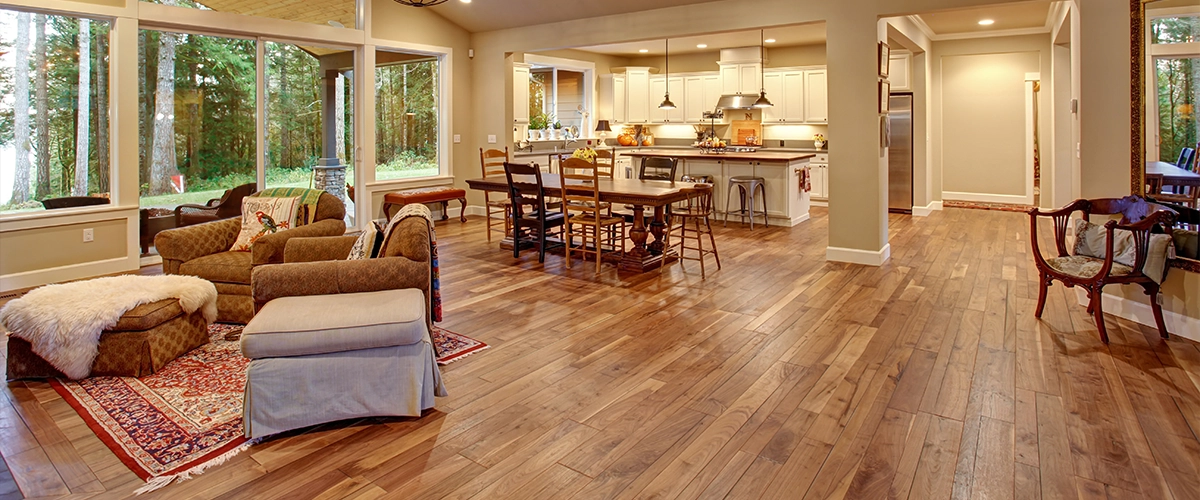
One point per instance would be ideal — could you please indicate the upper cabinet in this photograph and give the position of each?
(700, 93)
(611, 105)
(798, 96)
(520, 93)
(741, 78)
(900, 71)
(637, 95)
(659, 86)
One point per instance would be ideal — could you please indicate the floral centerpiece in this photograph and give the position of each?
(819, 140)
(585, 153)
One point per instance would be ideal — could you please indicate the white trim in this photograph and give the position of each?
(150, 260)
(925, 211)
(1141, 313)
(991, 34)
(60, 274)
(72, 8)
(818, 203)
(1031, 130)
(922, 26)
(856, 256)
(1014, 199)
(801, 219)
(168, 17)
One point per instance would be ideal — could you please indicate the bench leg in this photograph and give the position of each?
(462, 215)
(445, 210)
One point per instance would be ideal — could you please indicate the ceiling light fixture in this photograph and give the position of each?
(702, 46)
(769, 40)
(643, 51)
(465, 1)
(667, 104)
(986, 22)
(420, 3)
(762, 101)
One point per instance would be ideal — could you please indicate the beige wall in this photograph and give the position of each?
(983, 129)
(41, 248)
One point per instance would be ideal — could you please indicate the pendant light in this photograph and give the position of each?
(420, 3)
(762, 101)
(667, 104)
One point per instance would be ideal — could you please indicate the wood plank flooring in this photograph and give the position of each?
(779, 376)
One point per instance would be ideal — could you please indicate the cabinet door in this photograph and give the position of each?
(620, 105)
(773, 83)
(816, 107)
(731, 82)
(658, 87)
(750, 75)
(637, 96)
(520, 94)
(899, 72)
(818, 172)
(679, 97)
(793, 94)
(712, 92)
(694, 104)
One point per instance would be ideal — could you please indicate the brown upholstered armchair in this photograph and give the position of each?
(203, 250)
(318, 266)
(228, 205)
(1139, 217)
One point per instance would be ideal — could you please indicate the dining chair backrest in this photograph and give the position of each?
(605, 162)
(525, 187)
(658, 168)
(577, 203)
(1186, 157)
(492, 161)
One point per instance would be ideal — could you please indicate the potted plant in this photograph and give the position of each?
(537, 126)
(558, 130)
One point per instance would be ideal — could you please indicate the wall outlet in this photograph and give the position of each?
(89, 235)
(457, 138)
(491, 138)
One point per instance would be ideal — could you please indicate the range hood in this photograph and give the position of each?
(736, 101)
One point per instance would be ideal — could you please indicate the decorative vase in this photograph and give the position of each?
(819, 144)
(533, 134)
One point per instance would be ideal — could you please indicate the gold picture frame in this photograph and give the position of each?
(885, 55)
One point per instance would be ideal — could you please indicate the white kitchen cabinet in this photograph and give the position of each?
(900, 71)
(785, 90)
(740, 78)
(820, 180)
(773, 84)
(620, 108)
(658, 88)
(702, 93)
(816, 96)
(637, 95)
(611, 104)
(520, 93)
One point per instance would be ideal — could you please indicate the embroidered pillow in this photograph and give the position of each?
(262, 216)
(1090, 241)
(367, 246)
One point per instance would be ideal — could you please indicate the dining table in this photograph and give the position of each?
(1171, 174)
(640, 194)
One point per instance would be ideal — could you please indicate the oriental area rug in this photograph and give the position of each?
(187, 417)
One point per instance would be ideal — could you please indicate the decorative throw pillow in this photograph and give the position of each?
(262, 216)
(367, 246)
(1090, 241)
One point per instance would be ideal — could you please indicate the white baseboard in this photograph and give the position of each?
(68, 273)
(150, 260)
(471, 210)
(796, 221)
(856, 256)
(1012, 199)
(819, 203)
(924, 211)
(1141, 313)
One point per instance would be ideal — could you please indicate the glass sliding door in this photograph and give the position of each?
(407, 110)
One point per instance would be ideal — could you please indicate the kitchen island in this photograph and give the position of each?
(787, 203)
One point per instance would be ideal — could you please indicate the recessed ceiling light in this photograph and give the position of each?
(643, 51)
(465, 1)
(336, 24)
(769, 40)
(702, 46)
(986, 22)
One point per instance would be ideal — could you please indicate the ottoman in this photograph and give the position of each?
(145, 339)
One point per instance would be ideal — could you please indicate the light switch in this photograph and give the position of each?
(457, 138)
(491, 138)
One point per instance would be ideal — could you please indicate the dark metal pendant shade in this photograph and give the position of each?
(420, 3)
(762, 101)
(667, 104)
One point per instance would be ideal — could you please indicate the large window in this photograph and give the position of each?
(197, 117)
(54, 122)
(406, 116)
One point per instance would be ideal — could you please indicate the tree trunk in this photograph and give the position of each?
(339, 97)
(83, 108)
(163, 162)
(285, 133)
(102, 150)
(20, 192)
(42, 109)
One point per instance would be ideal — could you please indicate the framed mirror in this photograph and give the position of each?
(1165, 106)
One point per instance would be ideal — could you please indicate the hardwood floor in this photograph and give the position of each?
(780, 376)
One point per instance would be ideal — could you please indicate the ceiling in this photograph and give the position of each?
(1013, 16)
(305, 11)
(806, 34)
(488, 15)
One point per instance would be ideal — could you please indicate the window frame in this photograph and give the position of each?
(1154, 52)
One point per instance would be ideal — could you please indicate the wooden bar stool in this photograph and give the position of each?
(696, 212)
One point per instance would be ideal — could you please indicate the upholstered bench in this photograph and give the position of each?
(144, 340)
(441, 194)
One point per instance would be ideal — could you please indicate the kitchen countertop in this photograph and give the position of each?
(693, 153)
(632, 150)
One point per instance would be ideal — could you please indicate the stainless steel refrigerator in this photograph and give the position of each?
(900, 153)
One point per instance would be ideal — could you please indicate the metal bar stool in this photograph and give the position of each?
(746, 184)
(697, 210)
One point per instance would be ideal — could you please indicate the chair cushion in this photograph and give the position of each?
(1082, 266)
(318, 324)
(425, 195)
(1091, 239)
(226, 267)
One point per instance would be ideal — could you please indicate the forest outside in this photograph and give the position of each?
(1178, 85)
(54, 125)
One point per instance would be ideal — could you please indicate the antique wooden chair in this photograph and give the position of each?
(228, 205)
(1139, 217)
(492, 162)
(586, 217)
(530, 213)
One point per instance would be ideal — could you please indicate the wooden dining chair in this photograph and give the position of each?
(695, 212)
(492, 161)
(587, 217)
(532, 220)
(605, 163)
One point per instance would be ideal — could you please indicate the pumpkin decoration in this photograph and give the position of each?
(625, 140)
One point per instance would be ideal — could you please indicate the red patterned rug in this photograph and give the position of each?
(188, 417)
(174, 423)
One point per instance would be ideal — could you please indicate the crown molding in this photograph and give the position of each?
(936, 37)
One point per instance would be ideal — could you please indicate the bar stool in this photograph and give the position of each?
(745, 184)
(696, 212)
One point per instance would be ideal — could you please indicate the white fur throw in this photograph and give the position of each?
(63, 322)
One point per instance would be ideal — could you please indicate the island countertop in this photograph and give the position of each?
(696, 154)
